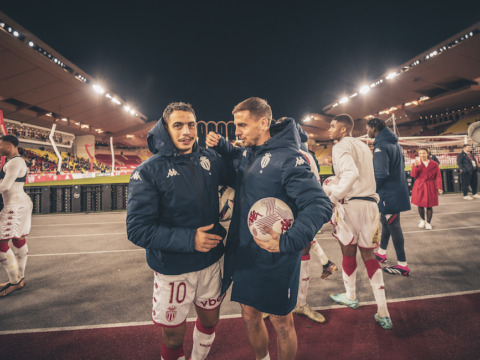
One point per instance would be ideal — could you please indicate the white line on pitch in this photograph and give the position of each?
(86, 253)
(231, 316)
(77, 224)
(74, 235)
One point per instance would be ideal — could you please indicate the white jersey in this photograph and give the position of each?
(11, 190)
(353, 164)
(311, 162)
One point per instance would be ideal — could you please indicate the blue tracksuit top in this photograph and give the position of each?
(170, 195)
(389, 166)
(269, 281)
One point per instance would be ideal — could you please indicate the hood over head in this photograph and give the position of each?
(386, 135)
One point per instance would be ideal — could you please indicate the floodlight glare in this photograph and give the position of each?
(98, 89)
(391, 75)
(364, 89)
(343, 100)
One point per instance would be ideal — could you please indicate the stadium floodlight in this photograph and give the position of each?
(391, 75)
(64, 119)
(127, 108)
(116, 101)
(307, 118)
(108, 96)
(364, 89)
(132, 111)
(98, 89)
(343, 100)
(31, 44)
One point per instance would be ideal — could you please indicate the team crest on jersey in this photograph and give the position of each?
(300, 161)
(377, 150)
(172, 172)
(205, 162)
(136, 176)
(171, 313)
(266, 159)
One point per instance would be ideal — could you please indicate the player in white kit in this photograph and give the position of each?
(15, 217)
(356, 218)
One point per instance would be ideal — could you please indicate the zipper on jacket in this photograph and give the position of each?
(245, 179)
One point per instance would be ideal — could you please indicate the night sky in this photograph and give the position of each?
(299, 55)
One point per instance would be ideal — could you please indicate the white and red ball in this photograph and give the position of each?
(271, 213)
(328, 182)
(226, 194)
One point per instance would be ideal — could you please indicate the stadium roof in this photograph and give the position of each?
(442, 79)
(39, 86)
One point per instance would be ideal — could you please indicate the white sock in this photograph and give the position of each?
(317, 250)
(10, 265)
(21, 254)
(402, 263)
(266, 357)
(378, 287)
(381, 251)
(349, 282)
(304, 281)
(201, 343)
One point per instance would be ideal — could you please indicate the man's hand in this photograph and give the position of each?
(205, 241)
(440, 191)
(212, 139)
(272, 245)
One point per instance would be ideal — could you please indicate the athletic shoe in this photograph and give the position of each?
(265, 316)
(468, 197)
(380, 258)
(9, 288)
(421, 224)
(476, 196)
(384, 322)
(397, 270)
(428, 226)
(307, 311)
(328, 269)
(342, 300)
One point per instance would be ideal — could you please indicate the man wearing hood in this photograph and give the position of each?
(173, 213)
(392, 188)
(265, 275)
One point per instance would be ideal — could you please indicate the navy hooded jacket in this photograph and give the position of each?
(269, 281)
(389, 166)
(170, 195)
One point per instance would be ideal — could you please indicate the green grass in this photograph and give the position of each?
(120, 179)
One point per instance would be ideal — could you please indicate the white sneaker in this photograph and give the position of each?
(468, 197)
(421, 224)
(428, 226)
(476, 196)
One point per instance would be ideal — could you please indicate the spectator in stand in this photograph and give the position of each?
(468, 172)
(427, 187)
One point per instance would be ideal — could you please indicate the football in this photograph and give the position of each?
(271, 213)
(225, 202)
(331, 180)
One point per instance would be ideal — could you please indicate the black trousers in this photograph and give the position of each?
(469, 179)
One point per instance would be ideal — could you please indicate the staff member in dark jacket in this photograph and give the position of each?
(389, 167)
(172, 212)
(266, 274)
(468, 171)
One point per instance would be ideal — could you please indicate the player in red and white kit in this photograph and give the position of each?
(356, 217)
(16, 216)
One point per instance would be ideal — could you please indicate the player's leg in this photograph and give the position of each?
(9, 263)
(349, 272)
(393, 224)
(257, 333)
(428, 223)
(287, 344)
(421, 212)
(381, 254)
(20, 249)
(474, 185)
(172, 298)
(328, 267)
(302, 307)
(375, 277)
(207, 305)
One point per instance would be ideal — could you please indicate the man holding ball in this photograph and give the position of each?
(265, 274)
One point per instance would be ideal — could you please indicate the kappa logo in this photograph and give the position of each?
(300, 161)
(136, 176)
(266, 159)
(172, 172)
(244, 153)
(377, 150)
(205, 162)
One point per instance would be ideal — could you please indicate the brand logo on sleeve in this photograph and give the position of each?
(300, 161)
(136, 176)
(172, 172)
